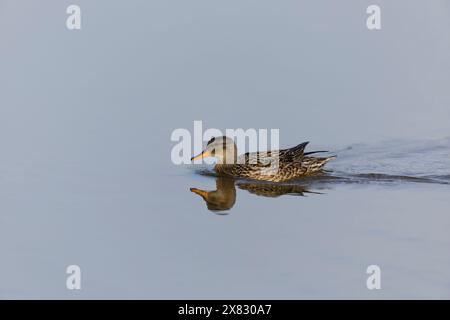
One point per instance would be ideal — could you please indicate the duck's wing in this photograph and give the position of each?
(265, 158)
(256, 159)
(294, 154)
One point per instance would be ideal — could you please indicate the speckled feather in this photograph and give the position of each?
(292, 163)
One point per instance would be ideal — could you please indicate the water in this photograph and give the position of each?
(86, 176)
(137, 233)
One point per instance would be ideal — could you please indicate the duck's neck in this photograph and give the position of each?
(222, 168)
(228, 157)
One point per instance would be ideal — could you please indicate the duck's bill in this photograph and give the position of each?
(202, 155)
(201, 193)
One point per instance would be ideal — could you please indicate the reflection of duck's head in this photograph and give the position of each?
(221, 199)
(222, 148)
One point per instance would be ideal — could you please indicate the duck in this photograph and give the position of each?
(274, 166)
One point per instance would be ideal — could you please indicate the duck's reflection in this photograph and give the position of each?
(221, 199)
(224, 197)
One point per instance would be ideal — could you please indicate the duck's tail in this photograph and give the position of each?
(313, 152)
(299, 154)
(317, 164)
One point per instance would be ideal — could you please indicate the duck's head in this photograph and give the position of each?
(222, 148)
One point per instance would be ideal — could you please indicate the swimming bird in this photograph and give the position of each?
(275, 165)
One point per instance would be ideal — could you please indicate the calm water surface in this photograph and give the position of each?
(142, 234)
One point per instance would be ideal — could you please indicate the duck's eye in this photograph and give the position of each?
(211, 140)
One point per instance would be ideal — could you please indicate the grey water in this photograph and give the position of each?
(86, 176)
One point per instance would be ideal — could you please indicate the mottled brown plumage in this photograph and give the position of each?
(276, 166)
